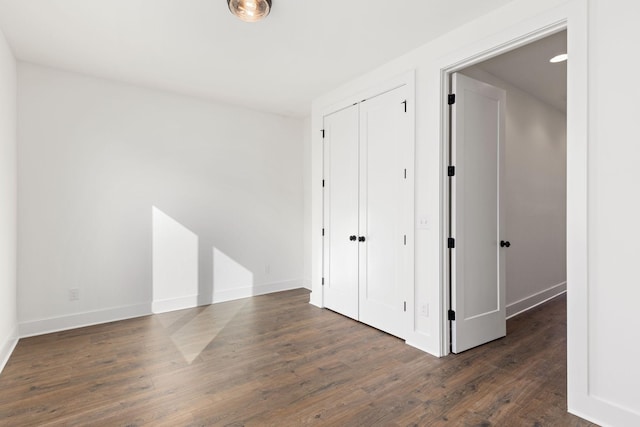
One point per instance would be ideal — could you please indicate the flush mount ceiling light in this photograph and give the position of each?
(250, 10)
(559, 58)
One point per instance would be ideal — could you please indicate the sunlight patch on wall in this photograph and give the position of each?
(230, 278)
(175, 264)
(176, 287)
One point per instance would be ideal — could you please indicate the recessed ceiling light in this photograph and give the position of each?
(559, 58)
(250, 10)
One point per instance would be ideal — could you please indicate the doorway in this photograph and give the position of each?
(507, 189)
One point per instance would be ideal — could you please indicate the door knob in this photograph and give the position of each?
(504, 244)
(352, 238)
(361, 239)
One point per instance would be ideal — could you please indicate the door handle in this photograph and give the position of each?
(504, 244)
(361, 239)
(352, 238)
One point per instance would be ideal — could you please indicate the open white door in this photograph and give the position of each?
(341, 211)
(477, 214)
(385, 141)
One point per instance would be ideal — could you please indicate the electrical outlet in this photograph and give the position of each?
(423, 223)
(425, 310)
(74, 294)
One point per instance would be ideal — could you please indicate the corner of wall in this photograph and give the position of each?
(6, 349)
(306, 188)
(315, 299)
(8, 201)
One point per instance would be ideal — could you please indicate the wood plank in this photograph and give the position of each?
(276, 360)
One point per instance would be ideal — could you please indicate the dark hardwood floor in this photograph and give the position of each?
(275, 360)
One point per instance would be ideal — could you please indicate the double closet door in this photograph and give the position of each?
(367, 150)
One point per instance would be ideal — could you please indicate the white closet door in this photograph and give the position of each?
(384, 142)
(341, 211)
(478, 287)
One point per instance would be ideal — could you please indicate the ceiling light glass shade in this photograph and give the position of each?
(250, 10)
(559, 58)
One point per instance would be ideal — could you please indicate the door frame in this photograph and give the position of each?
(572, 17)
(447, 147)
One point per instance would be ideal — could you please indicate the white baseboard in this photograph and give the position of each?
(80, 320)
(172, 304)
(422, 346)
(316, 299)
(246, 292)
(534, 300)
(306, 284)
(6, 349)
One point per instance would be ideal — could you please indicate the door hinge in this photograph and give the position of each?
(405, 240)
(323, 281)
(451, 99)
(451, 171)
(405, 306)
(405, 105)
(323, 183)
(451, 243)
(323, 231)
(322, 130)
(405, 174)
(451, 315)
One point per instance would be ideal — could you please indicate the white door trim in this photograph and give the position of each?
(446, 72)
(572, 16)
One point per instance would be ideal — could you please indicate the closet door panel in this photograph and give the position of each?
(340, 263)
(383, 140)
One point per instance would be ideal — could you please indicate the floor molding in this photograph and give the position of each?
(7, 348)
(233, 294)
(173, 304)
(80, 320)
(535, 300)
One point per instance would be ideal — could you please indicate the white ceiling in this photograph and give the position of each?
(302, 50)
(529, 69)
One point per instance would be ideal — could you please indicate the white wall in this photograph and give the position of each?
(535, 196)
(614, 211)
(8, 201)
(603, 284)
(306, 162)
(175, 264)
(96, 157)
